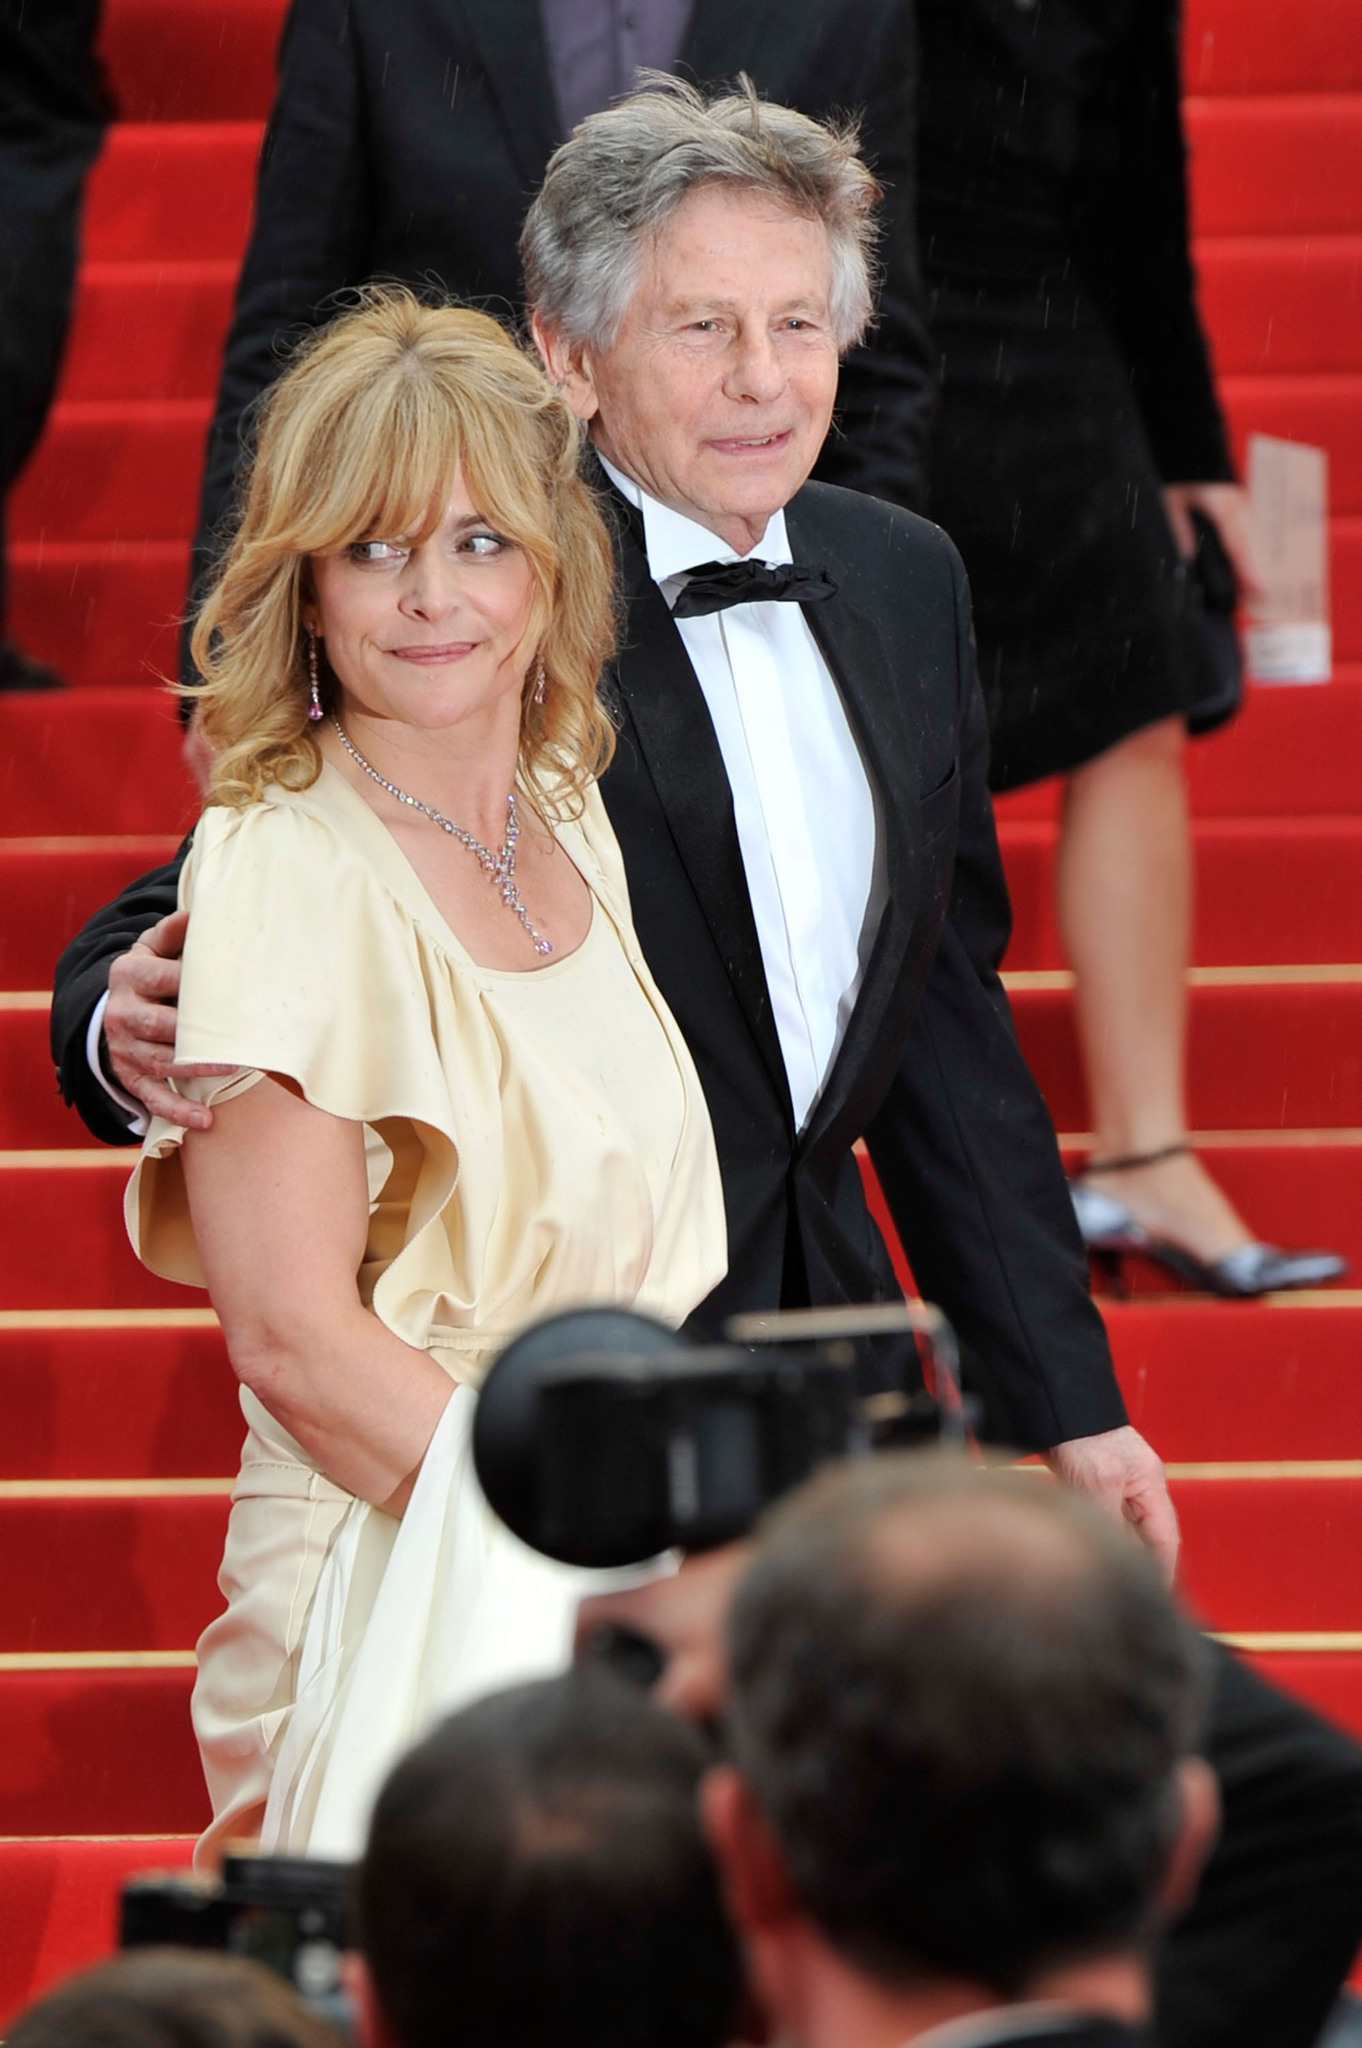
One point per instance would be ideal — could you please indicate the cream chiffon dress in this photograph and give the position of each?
(533, 1141)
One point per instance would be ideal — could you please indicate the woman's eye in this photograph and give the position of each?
(375, 551)
(484, 542)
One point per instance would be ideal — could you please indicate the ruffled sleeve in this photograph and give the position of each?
(298, 962)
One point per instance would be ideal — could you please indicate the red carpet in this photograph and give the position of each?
(121, 1417)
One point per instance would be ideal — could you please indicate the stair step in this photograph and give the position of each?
(1291, 752)
(1280, 165)
(1300, 1188)
(1263, 1054)
(1242, 1380)
(51, 886)
(149, 329)
(114, 470)
(103, 612)
(59, 1905)
(1325, 411)
(1329, 1681)
(61, 1223)
(95, 1395)
(192, 60)
(1281, 1553)
(171, 189)
(1233, 46)
(1288, 302)
(55, 753)
(99, 1752)
(82, 1571)
(1268, 890)
(144, 1395)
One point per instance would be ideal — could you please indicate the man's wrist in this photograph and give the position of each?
(135, 1114)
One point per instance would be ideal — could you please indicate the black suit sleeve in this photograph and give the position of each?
(966, 1154)
(83, 976)
(1140, 238)
(310, 239)
(887, 390)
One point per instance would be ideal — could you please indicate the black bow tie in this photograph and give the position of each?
(716, 585)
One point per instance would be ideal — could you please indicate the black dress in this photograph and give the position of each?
(1075, 377)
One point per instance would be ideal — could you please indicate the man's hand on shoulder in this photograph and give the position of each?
(139, 1025)
(1119, 1471)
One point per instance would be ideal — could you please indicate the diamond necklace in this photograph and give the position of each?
(498, 867)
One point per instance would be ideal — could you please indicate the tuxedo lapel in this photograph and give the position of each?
(667, 709)
(854, 651)
(510, 39)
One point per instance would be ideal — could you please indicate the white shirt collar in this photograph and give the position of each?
(675, 543)
(998, 2023)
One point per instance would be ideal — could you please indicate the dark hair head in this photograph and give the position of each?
(536, 1874)
(961, 1697)
(172, 1998)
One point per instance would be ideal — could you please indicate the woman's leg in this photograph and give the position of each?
(1124, 886)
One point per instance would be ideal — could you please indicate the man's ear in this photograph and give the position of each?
(1199, 1798)
(756, 1883)
(371, 2026)
(569, 367)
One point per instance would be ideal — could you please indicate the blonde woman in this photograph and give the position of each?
(454, 1099)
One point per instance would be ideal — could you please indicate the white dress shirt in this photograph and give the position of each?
(802, 801)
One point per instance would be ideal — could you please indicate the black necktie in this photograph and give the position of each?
(716, 585)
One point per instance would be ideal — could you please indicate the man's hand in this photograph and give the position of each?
(1227, 508)
(139, 1024)
(1122, 1475)
(684, 1616)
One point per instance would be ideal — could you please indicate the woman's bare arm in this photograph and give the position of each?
(280, 1207)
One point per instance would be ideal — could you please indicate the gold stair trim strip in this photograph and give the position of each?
(115, 1489)
(1287, 1297)
(97, 1660)
(1270, 1468)
(1341, 1135)
(107, 1319)
(110, 1158)
(1293, 1641)
(94, 842)
(25, 999)
(1322, 973)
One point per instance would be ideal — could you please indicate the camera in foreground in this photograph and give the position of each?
(602, 1437)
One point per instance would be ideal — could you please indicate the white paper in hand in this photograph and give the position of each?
(1288, 636)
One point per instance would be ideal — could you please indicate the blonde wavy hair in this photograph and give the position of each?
(361, 439)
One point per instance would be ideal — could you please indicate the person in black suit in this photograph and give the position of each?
(1081, 464)
(53, 112)
(408, 136)
(963, 1717)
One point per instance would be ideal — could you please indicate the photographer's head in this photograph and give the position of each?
(536, 1874)
(962, 1708)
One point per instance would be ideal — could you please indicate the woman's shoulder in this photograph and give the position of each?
(285, 835)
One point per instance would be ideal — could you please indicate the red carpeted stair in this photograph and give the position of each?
(121, 1422)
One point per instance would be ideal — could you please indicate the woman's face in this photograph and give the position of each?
(426, 633)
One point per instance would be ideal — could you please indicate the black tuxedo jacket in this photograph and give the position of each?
(928, 1072)
(409, 136)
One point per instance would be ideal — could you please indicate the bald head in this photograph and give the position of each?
(962, 1698)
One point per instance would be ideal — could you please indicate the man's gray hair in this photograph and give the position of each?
(623, 173)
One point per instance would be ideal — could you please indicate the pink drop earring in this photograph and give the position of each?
(314, 711)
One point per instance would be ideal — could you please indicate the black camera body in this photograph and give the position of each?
(602, 1437)
(288, 1913)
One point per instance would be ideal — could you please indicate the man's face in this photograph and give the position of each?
(718, 390)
